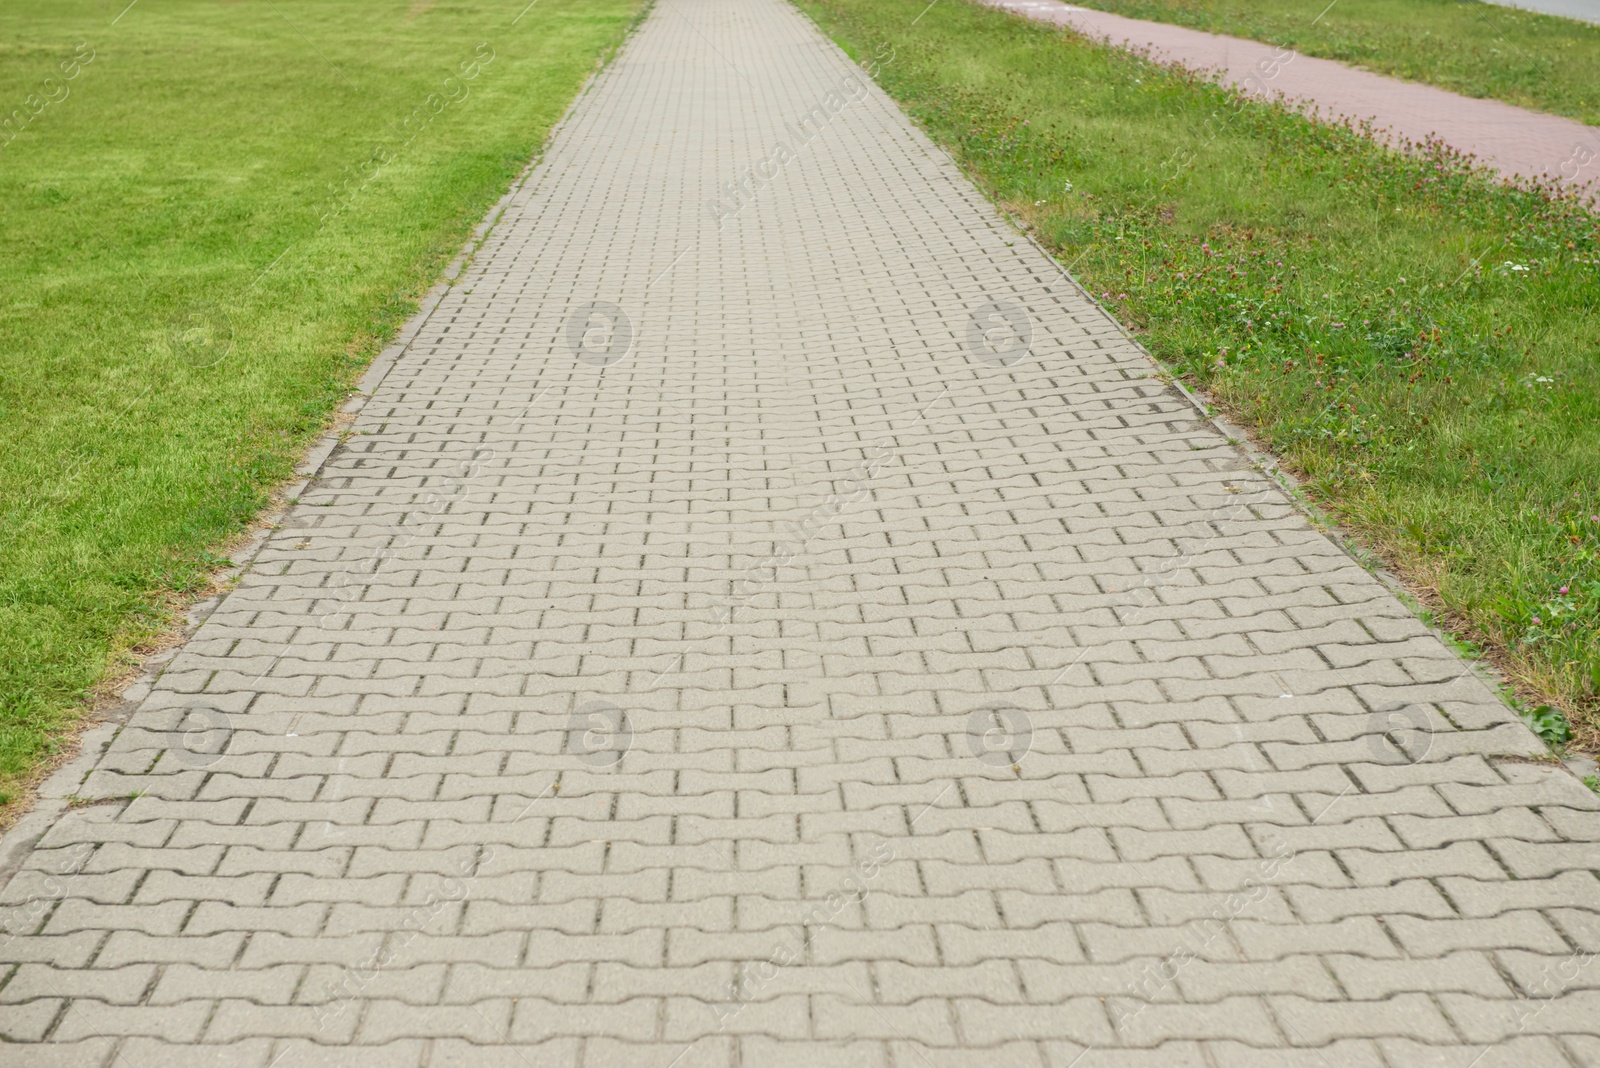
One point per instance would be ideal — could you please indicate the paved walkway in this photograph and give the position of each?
(1511, 139)
(1582, 10)
(798, 633)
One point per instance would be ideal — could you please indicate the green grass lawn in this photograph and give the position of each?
(214, 214)
(1477, 49)
(1420, 343)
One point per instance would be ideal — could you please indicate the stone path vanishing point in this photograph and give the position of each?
(1513, 140)
(983, 705)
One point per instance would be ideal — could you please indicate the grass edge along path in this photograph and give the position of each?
(1410, 336)
(149, 440)
(1478, 49)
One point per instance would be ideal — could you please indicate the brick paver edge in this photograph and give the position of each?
(102, 723)
(1261, 460)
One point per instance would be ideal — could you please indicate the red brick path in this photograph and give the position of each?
(1510, 139)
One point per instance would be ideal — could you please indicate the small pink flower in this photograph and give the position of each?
(1536, 621)
(1563, 589)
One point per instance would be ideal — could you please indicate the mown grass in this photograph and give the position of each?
(214, 214)
(1416, 340)
(1469, 47)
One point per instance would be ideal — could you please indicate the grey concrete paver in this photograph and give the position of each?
(820, 677)
(1582, 10)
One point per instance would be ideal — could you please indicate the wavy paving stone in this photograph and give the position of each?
(982, 704)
